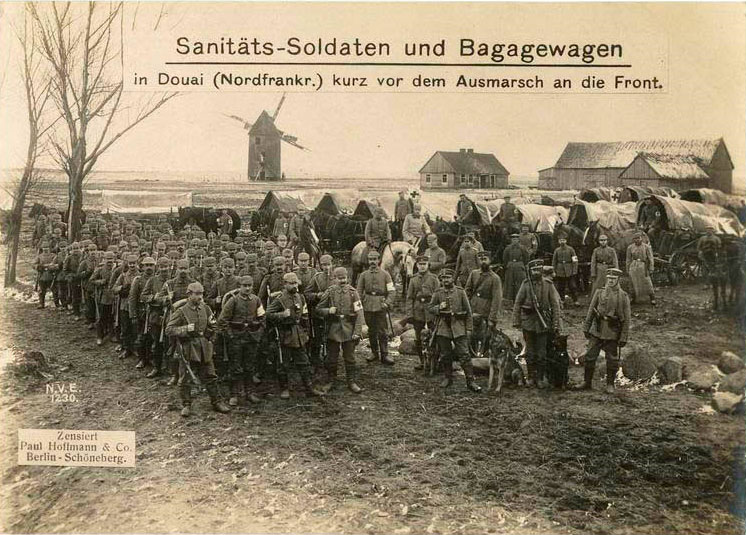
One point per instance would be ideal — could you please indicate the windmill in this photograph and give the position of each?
(265, 141)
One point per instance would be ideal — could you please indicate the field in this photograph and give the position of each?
(402, 457)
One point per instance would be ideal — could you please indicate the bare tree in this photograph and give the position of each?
(82, 44)
(36, 82)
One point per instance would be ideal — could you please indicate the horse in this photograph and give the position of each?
(715, 267)
(308, 242)
(735, 254)
(396, 257)
(206, 219)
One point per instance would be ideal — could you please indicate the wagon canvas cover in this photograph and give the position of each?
(612, 217)
(686, 215)
(542, 218)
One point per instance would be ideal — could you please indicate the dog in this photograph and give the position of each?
(503, 359)
(558, 361)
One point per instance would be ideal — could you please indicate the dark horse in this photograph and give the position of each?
(206, 219)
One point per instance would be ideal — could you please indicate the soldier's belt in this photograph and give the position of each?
(375, 294)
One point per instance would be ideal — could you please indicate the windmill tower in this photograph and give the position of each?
(265, 144)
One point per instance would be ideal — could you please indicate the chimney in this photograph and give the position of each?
(469, 150)
(462, 150)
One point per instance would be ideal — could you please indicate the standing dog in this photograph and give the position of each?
(504, 361)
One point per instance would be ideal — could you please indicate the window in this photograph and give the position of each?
(427, 178)
(492, 181)
(463, 179)
(258, 141)
(445, 179)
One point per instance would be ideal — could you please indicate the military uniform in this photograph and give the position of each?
(529, 242)
(465, 264)
(313, 292)
(60, 289)
(485, 292)
(46, 268)
(377, 292)
(436, 258)
(70, 268)
(420, 291)
(304, 275)
(414, 228)
(101, 282)
(640, 263)
(155, 308)
(126, 325)
(515, 258)
(137, 312)
(565, 264)
(85, 270)
(603, 258)
(377, 232)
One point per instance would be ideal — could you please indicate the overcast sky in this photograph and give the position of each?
(394, 134)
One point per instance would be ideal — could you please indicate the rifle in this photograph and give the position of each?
(95, 301)
(146, 329)
(390, 324)
(430, 361)
(185, 362)
(116, 311)
(165, 313)
(534, 299)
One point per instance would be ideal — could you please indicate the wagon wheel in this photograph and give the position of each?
(685, 265)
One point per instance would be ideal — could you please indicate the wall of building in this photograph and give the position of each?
(453, 181)
(676, 184)
(436, 181)
(720, 171)
(562, 179)
(271, 146)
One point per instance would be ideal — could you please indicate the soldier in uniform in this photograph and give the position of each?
(342, 310)
(415, 227)
(85, 270)
(100, 281)
(640, 264)
(453, 328)
(313, 291)
(60, 290)
(420, 291)
(515, 259)
(290, 266)
(402, 208)
(565, 264)
(377, 232)
(70, 267)
(226, 283)
(174, 290)
(507, 212)
(485, 292)
(294, 228)
(377, 291)
(156, 312)
(528, 240)
(192, 325)
(303, 271)
(242, 321)
(121, 287)
(606, 327)
(463, 208)
(467, 261)
(537, 312)
(137, 312)
(287, 313)
(281, 225)
(436, 256)
(603, 258)
(255, 271)
(46, 268)
(210, 278)
(225, 223)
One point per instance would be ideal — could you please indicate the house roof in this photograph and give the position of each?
(674, 166)
(264, 125)
(619, 154)
(470, 163)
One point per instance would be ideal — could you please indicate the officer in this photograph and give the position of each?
(242, 321)
(287, 313)
(515, 258)
(453, 328)
(606, 327)
(537, 311)
(485, 292)
(377, 232)
(137, 312)
(436, 256)
(192, 325)
(46, 269)
(565, 264)
(341, 309)
(603, 258)
(420, 291)
(377, 291)
(104, 297)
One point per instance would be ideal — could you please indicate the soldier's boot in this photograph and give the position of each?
(471, 383)
(251, 396)
(448, 379)
(185, 393)
(174, 372)
(374, 356)
(590, 367)
(331, 376)
(218, 405)
(236, 392)
(531, 380)
(312, 390)
(541, 377)
(155, 372)
(611, 370)
(386, 359)
(353, 386)
(421, 365)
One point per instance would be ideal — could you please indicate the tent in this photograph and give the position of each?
(143, 202)
(637, 193)
(275, 202)
(712, 196)
(365, 210)
(686, 215)
(597, 194)
(332, 204)
(540, 217)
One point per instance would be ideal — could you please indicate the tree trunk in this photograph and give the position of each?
(14, 241)
(74, 208)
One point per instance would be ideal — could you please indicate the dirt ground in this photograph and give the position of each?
(403, 457)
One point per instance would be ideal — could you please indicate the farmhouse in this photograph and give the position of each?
(463, 169)
(679, 164)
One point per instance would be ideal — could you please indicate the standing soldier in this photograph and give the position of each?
(46, 269)
(415, 227)
(281, 225)
(377, 291)
(565, 264)
(138, 312)
(341, 308)
(210, 278)
(225, 223)
(436, 256)
(287, 312)
(515, 259)
(255, 271)
(507, 213)
(174, 290)
(60, 290)
(420, 291)
(313, 292)
(377, 231)
(87, 266)
(466, 261)
(242, 321)
(402, 208)
(294, 228)
(303, 271)
(121, 287)
(464, 208)
(453, 327)
(100, 280)
(640, 264)
(485, 292)
(226, 283)
(603, 258)
(528, 240)
(192, 325)
(536, 312)
(606, 327)
(70, 267)
(155, 312)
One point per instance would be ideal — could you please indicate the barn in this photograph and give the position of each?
(463, 170)
(678, 164)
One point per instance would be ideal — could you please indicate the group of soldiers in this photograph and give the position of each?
(231, 314)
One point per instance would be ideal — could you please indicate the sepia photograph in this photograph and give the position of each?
(373, 267)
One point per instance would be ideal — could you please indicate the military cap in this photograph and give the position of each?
(227, 262)
(432, 236)
(209, 261)
(45, 244)
(163, 261)
(148, 261)
(290, 278)
(174, 255)
(281, 236)
(603, 237)
(141, 242)
(231, 246)
(561, 236)
(62, 242)
(112, 248)
(515, 235)
(203, 243)
(287, 253)
(240, 255)
(278, 261)
(211, 234)
(373, 254)
(325, 258)
(182, 263)
(246, 279)
(92, 247)
(109, 255)
(195, 287)
(507, 197)
(191, 252)
(132, 258)
(613, 272)
(422, 258)
(304, 256)
(75, 245)
(194, 242)
(123, 243)
(224, 237)
(380, 211)
(340, 270)
(537, 263)
(446, 272)
(252, 257)
(483, 254)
